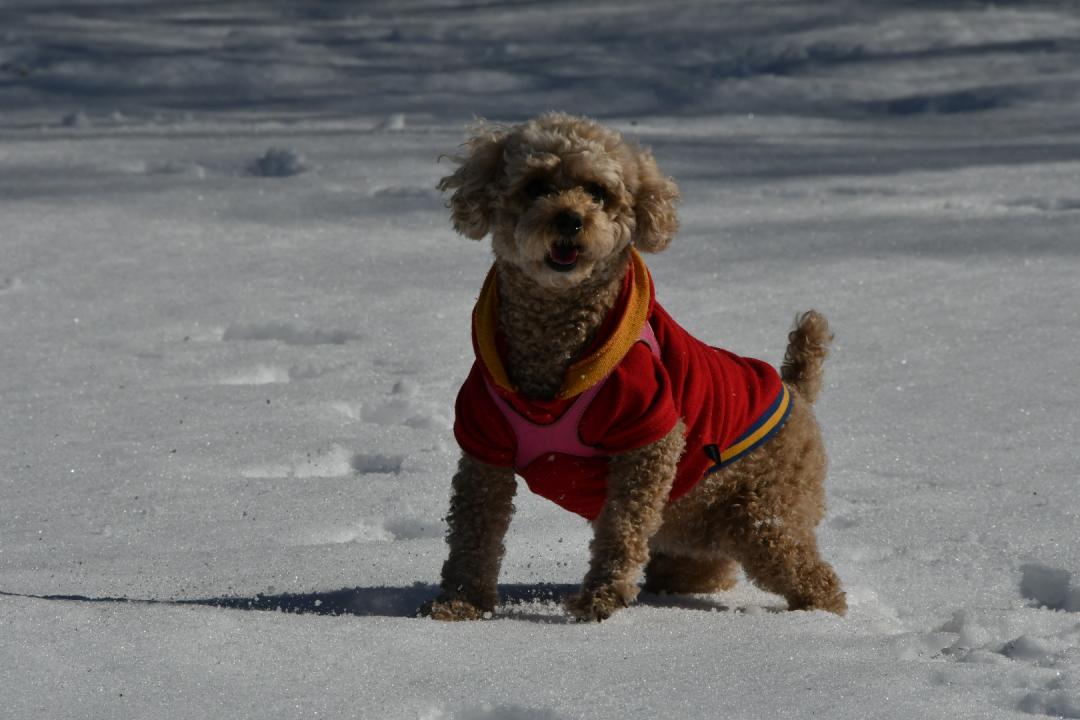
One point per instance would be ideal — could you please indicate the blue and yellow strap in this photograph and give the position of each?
(769, 422)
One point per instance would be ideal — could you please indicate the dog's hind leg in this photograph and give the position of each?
(682, 574)
(788, 565)
(768, 520)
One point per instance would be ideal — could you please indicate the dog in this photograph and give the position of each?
(689, 461)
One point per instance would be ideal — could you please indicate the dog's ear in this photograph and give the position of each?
(654, 206)
(474, 182)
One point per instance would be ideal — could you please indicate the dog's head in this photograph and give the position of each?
(560, 195)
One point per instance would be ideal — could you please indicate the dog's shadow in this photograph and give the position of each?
(530, 602)
(540, 603)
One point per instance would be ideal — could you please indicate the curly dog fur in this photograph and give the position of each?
(518, 184)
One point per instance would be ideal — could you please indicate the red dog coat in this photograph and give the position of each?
(624, 394)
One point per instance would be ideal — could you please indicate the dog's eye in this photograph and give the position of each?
(538, 188)
(597, 191)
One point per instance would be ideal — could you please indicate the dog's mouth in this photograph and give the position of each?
(562, 257)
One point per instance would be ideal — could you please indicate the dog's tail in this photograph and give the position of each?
(808, 346)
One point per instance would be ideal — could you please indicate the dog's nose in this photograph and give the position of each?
(568, 223)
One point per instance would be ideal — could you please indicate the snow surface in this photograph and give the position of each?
(233, 319)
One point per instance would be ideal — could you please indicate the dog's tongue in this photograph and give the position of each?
(564, 254)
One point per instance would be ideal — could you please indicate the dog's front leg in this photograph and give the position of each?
(638, 486)
(480, 509)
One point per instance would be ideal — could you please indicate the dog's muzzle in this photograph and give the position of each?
(563, 254)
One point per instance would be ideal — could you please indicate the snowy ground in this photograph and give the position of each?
(227, 374)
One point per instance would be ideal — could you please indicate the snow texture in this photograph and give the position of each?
(278, 162)
(234, 317)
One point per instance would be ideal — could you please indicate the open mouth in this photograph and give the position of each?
(562, 257)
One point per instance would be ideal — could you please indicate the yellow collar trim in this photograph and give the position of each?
(587, 371)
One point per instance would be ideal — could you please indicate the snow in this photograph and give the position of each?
(234, 317)
(278, 162)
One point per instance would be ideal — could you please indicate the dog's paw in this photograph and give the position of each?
(452, 609)
(596, 604)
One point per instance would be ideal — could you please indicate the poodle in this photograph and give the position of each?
(689, 461)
